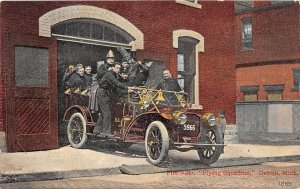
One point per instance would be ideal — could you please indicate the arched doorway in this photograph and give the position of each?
(86, 42)
(85, 34)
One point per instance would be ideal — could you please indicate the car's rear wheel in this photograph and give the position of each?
(210, 154)
(156, 142)
(77, 130)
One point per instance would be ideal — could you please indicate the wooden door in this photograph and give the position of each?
(31, 92)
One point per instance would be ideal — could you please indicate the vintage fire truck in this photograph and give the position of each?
(159, 119)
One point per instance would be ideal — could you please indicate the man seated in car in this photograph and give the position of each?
(169, 84)
(69, 71)
(88, 76)
(77, 79)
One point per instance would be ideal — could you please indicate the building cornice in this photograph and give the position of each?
(272, 62)
(265, 8)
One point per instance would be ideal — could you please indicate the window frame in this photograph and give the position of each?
(247, 23)
(40, 56)
(194, 4)
(274, 89)
(246, 90)
(109, 32)
(189, 70)
(296, 80)
(199, 49)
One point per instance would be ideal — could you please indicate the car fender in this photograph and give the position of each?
(139, 124)
(81, 109)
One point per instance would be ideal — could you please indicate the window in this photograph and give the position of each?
(275, 92)
(250, 96)
(189, 44)
(92, 29)
(180, 70)
(191, 3)
(275, 2)
(274, 95)
(31, 66)
(250, 93)
(240, 6)
(296, 79)
(186, 65)
(247, 34)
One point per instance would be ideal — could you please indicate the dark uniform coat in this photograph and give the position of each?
(103, 68)
(106, 84)
(168, 84)
(123, 93)
(77, 81)
(138, 74)
(88, 79)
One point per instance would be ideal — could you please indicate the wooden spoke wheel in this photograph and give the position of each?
(210, 154)
(156, 142)
(76, 130)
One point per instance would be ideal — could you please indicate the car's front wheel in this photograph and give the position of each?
(156, 142)
(77, 130)
(210, 154)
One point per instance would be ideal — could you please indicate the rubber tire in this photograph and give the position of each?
(218, 150)
(84, 137)
(165, 142)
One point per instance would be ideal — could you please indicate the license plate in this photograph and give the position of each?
(189, 127)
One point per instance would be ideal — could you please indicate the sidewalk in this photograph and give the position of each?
(67, 162)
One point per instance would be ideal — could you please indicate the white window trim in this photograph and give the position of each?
(190, 4)
(199, 48)
(84, 11)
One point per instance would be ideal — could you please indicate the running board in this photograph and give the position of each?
(184, 147)
(196, 144)
(112, 137)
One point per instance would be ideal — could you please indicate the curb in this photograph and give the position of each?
(222, 163)
(281, 158)
(55, 175)
(146, 169)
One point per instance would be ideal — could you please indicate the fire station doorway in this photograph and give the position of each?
(86, 42)
(73, 53)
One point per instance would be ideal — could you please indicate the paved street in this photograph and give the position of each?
(267, 175)
(101, 158)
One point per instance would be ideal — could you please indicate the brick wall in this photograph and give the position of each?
(261, 3)
(268, 75)
(275, 35)
(275, 51)
(157, 20)
(2, 88)
(216, 81)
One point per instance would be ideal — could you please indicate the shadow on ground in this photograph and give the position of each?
(110, 146)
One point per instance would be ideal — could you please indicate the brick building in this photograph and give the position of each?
(39, 39)
(268, 70)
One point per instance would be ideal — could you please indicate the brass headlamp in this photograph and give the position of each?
(180, 117)
(210, 119)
